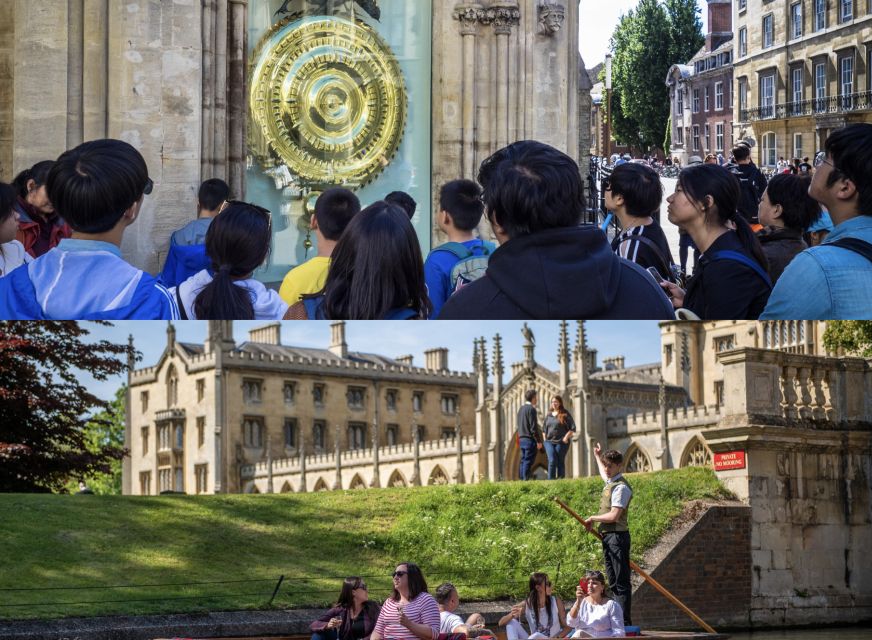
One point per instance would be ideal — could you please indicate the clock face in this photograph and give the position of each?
(328, 100)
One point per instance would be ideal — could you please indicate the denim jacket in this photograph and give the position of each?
(826, 283)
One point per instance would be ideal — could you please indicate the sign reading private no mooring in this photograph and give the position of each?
(729, 460)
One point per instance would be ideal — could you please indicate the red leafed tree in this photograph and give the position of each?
(44, 407)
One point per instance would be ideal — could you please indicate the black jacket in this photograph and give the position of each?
(780, 247)
(752, 183)
(566, 273)
(726, 289)
(528, 423)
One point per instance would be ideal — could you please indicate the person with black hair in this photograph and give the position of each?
(544, 613)
(410, 613)
(547, 265)
(594, 614)
(530, 440)
(353, 617)
(731, 281)
(98, 187)
(40, 228)
(404, 201)
(464, 257)
(12, 253)
(187, 252)
(376, 273)
(834, 279)
(786, 211)
(752, 182)
(634, 193)
(237, 243)
(334, 209)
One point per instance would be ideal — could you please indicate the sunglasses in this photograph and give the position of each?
(362, 585)
(606, 184)
(821, 158)
(400, 574)
(149, 187)
(258, 208)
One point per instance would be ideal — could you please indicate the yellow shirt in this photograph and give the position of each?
(307, 278)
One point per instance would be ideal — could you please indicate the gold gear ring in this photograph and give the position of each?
(329, 97)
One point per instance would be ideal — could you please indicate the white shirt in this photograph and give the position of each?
(597, 620)
(12, 255)
(622, 493)
(267, 303)
(449, 621)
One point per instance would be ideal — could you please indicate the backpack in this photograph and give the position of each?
(735, 256)
(856, 245)
(749, 197)
(668, 270)
(471, 263)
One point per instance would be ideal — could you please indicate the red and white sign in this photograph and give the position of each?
(729, 460)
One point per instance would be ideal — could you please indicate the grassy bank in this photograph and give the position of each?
(61, 554)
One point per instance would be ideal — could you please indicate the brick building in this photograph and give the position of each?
(701, 93)
(802, 69)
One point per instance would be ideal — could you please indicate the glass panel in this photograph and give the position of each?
(340, 99)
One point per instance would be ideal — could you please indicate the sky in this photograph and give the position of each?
(638, 341)
(598, 21)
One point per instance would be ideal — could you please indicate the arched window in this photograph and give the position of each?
(636, 460)
(357, 482)
(172, 387)
(438, 476)
(770, 150)
(286, 487)
(397, 480)
(320, 485)
(697, 455)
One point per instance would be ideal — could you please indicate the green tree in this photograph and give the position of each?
(646, 43)
(853, 336)
(106, 429)
(45, 409)
(685, 30)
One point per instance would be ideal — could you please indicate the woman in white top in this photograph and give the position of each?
(12, 253)
(595, 616)
(543, 612)
(237, 243)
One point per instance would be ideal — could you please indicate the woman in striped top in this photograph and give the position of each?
(410, 613)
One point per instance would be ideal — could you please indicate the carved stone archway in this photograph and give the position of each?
(636, 460)
(696, 454)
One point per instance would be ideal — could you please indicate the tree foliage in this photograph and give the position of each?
(853, 336)
(646, 43)
(106, 429)
(45, 410)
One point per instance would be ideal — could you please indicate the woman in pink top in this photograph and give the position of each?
(410, 613)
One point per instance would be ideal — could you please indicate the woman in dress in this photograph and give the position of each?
(353, 617)
(410, 613)
(545, 615)
(594, 615)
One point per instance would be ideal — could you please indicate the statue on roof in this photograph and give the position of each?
(528, 335)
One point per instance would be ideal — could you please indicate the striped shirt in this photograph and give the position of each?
(421, 610)
(626, 245)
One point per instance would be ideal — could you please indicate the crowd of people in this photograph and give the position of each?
(62, 224)
(411, 613)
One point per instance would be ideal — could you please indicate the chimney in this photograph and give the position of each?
(720, 23)
(436, 359)
(406, 361)
(338, 346)
(270, 334)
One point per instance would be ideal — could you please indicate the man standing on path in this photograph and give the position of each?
(529, 435)
(613, 526)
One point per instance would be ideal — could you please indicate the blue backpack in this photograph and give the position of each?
(471, 263)
(735, 256)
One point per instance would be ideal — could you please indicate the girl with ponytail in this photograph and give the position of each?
(40, 227)
(237, 243)
(732, 280)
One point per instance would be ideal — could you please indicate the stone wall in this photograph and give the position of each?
(716, 587)
(7, 80)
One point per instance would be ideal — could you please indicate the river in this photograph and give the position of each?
(829, 633)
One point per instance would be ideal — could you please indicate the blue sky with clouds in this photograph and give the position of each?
(638, 341)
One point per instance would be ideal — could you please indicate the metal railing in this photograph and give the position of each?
(816, 106)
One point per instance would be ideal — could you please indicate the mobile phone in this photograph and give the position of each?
(583, 584)
(655, 274)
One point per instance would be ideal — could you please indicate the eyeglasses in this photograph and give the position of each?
(258, 208)
(606, 184)
(149, 187)
(362, 585)
(821, 158)
(400, 574)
